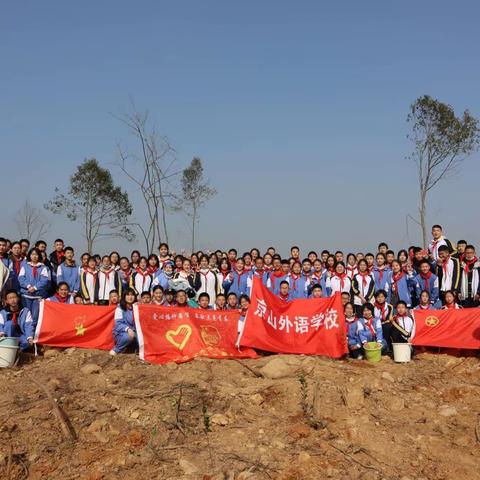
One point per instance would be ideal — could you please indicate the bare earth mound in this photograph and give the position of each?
(278, 417)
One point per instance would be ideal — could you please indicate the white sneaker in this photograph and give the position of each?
(113, 353)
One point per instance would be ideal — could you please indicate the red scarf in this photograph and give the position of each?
(426, 278)
(152, 270)
(369, 325)
(60, 255)
(205, 275)
(445, 265)
(61, 299)
(364, 276)
(450, 306)
(383, 310)
(380, 271)
(469, 264)
(342, 279)
(284, 297)
(351, 270)
(144, 275)
(35, 271)
(17, 264)
(239, 276)
(107, 273)
(396, 277)
(434, 246)
(276, 274)
(294, 278)
(14, 318)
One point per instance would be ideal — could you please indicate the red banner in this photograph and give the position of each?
(308, 326)
(447, 328)
(167, 334)
(83, 326)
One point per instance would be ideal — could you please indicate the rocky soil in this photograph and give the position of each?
(80, 414)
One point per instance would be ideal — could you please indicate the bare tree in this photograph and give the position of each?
(31, 223)
(150, 166)
(441, 142)
(195, 193)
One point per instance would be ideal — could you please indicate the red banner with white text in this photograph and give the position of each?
(308, 326)
(84, 326)
(447, 328)
(168, 334)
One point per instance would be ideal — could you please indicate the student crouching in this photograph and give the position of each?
(124, 332)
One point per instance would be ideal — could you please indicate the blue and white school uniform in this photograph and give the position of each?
(17, 324)
(69, 274)
(382, 277)
(431, 285)
(38, 277)
(298, 286)
(123, 321)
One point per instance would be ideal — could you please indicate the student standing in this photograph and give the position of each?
(88, 282)
(69, 272)
(363, 286)
(339, 281)
(34, 280)
(469, 279)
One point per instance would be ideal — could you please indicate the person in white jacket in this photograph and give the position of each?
(206, 281)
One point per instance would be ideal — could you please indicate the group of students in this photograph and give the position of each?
(378, 290)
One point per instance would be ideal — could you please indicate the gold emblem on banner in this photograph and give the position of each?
(432, 321)
(210, 335)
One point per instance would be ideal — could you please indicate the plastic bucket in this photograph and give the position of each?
(373, 351)
(402, 352)
(10, 341)
(8, 354)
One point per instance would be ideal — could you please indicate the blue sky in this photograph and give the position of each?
(297, 109)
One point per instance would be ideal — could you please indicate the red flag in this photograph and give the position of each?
(167, 334)
(308, 326)
(447, 328)
(69, 325)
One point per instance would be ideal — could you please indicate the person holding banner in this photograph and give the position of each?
(353, 339)
(450, 301)
(425, 302)
(124, 332)
(62, 294)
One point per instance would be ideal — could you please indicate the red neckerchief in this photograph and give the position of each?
(294, 286)
(445, 265)
(205, 275)
(469, 264)
(364, 276)
(268, 268)
(284, 297)
(434, 246)
(14, 318)
(342, 279)
(16, 265)
(426, 278)
(152, 270)
(61, 299)
(144, 275)
(239, 276)
(259, 273)
(351, 269)
(127, 274)
(351, 319)
(396, 277)
(331, 270)
(225, 274)
(369, 325)
(383, 309)
(317, 276)
(60, 255)
(243, 312)
(107, 273)
(94, 275)
(450, 306)
(276, 274)
(35, 270)
(380, 271)
(247, 268)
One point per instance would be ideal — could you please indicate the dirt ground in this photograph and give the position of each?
(279, 417)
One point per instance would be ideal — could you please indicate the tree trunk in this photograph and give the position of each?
(194, 221)
(423, 220)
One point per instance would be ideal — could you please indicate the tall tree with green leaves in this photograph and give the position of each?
(441, 142)
(94, 200)
(195, 192)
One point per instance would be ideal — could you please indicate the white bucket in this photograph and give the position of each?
(8, 354)
(402, 352)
